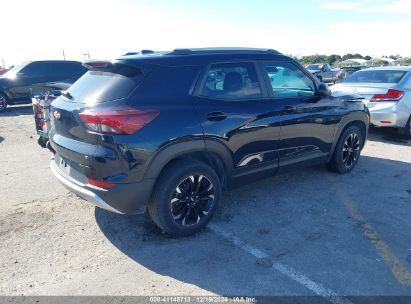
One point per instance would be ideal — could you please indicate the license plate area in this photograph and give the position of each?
(66, 169)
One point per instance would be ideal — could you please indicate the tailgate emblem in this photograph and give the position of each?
(56, 114)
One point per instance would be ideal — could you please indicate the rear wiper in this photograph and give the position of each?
(67, 95)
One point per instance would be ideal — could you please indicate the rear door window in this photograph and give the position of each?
(37, 69)
(232, 81)
(105, 84)
(69, 69)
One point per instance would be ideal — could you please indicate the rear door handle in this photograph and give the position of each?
(216, 116)
(289, 109)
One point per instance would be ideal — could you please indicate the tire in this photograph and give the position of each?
(42, 142)
(405, 132)
(3, 102)
(347, 152)
(178, 210)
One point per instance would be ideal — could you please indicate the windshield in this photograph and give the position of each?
(314, 67)
(12, 72)
(105, 84)
(376, 76)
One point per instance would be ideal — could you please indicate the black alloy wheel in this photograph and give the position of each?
(192, 200)
(185, 198)
(3, 102)
(351, 150)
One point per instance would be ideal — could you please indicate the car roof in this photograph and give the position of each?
(196, 56)
(390, 68)
(69, 61)
(353, 67)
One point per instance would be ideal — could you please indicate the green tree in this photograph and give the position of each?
(332, 59)
(348, 56)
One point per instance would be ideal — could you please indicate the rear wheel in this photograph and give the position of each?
(42, 142)
(405, 132)
(347, 152)
(185, 197)
(3, 102)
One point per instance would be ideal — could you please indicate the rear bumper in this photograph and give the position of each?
(123, 198)
(389, 115)
(79, 189)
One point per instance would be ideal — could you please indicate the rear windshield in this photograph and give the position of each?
(376, 76)
(105, 84)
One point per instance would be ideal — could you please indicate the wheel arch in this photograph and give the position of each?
(355, 119)
(212, 153)
(4, 92)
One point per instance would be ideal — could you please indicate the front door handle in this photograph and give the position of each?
(289, 109)
(216, 116)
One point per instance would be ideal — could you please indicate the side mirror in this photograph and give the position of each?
(323, 90)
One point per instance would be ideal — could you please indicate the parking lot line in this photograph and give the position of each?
(284, 269)
(402, 275)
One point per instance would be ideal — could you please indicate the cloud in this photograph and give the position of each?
(335, 5)
(399, 6)
(367, 6)
(366, 36)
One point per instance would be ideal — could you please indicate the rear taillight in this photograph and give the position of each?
(42, 123)
(391, 95)
(117, 121)
(100, 184)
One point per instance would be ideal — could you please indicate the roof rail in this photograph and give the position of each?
(273, 51)
(130, 53)
(147, 52)
(218, 50)
(181, 52)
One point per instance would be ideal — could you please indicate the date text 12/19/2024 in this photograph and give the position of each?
(203, 299)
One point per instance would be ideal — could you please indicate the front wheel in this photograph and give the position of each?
(3, 102)
(347, 152)
(185, 197)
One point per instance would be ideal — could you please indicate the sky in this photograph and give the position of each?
(106, 29)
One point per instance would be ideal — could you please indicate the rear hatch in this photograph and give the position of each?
(105, 85)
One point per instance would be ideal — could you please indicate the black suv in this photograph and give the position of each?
(169, 131)
(22, 82)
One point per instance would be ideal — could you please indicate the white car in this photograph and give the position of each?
(387, 94)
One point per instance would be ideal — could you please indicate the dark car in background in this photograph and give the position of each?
(168, 131)
(22, 82)
(323, 72)
(344, 72)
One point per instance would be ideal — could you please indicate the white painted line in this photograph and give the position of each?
(286, 270)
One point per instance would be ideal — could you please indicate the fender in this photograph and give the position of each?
(217, 147)
(345, 121)
(175, 150)
(170, 152)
